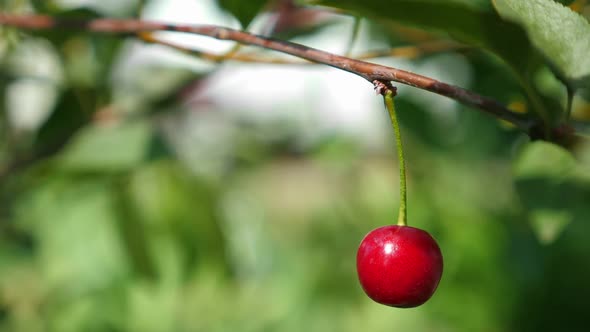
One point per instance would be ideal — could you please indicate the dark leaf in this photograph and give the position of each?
(244, 11)
(552, 187)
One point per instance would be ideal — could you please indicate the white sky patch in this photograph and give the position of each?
(30, 99)
(191, 12)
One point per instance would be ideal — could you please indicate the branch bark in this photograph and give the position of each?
(366, 70)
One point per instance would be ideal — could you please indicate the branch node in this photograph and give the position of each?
(382, 87)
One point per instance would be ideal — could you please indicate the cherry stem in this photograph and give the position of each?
(402, 218)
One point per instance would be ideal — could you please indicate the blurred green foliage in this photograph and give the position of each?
(108, 224)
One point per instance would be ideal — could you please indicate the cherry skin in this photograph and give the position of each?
(399, 266)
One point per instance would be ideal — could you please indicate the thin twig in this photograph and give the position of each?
(408, 52)
(366, 70)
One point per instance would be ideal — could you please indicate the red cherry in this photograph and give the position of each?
(399, 266)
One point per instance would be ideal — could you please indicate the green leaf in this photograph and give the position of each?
(44, 6)
(552, 187)
(164, 206)
(74, 227)
(542, 159)
(107, 148)
(548, 224)
(561, 34)
(65, 120)
(244, 11)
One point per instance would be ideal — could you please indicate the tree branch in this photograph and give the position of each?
(366, 70)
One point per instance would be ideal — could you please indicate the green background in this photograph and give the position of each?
(105, 227)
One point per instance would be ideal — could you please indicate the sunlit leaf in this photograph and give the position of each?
(560, 33)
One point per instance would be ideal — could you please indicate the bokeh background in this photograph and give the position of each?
(144, 189)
